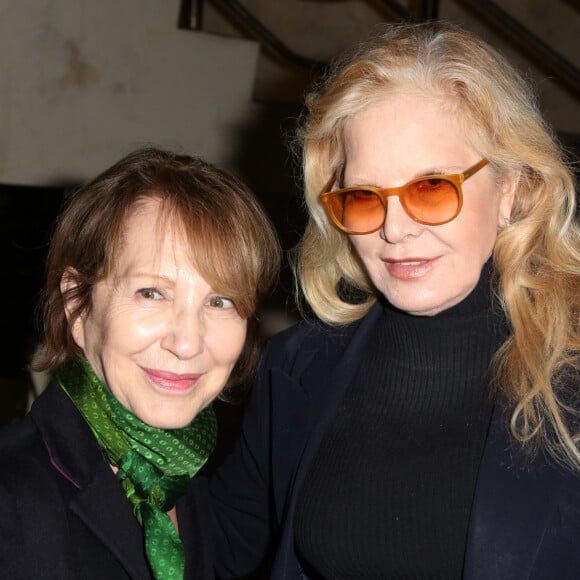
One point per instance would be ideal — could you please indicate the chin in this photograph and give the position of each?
(419, 306)
(171, 420)
(175, 422)
(168, 425)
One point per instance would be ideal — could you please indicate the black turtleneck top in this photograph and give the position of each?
(389, 493)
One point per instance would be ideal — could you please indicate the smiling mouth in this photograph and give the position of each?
(413, 263)
(407, 261)
(172, 382)
(409, 269)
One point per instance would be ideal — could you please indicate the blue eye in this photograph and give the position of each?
(150, 293)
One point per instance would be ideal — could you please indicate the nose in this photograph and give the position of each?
(185, 335)
(398, 224)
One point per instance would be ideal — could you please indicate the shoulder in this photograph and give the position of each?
(311, 331)
(39, 452)
(306, 339)
(528, 477)
(21, 449)
(31, 488)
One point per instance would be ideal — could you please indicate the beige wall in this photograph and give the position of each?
(82, 82)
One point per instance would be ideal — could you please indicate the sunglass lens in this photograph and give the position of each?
(359, 211)
(432, 201)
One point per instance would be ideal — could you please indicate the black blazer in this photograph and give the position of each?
(525, 521)
(63, 514)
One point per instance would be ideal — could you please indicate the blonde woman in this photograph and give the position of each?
(426, 425)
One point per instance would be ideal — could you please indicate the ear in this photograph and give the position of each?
(68, 283)
(507, 194)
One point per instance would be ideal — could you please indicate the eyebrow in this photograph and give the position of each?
(148, 276)
(429, 173)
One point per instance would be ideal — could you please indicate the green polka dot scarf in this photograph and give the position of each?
(155, 465)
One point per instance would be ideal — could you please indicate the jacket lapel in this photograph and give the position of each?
(513, 501)
(102, 506)
(309, 399)
(290, 432)
(95, 495)
(331, 372)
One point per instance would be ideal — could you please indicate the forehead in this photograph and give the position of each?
(152, 237)
(405, 109)
(405, 126)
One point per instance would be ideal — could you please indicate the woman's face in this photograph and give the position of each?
(161, 338)
(422, 269)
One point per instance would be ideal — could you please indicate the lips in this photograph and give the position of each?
(409, 269)
(174, 382)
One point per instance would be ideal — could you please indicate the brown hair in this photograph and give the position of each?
(233, 243)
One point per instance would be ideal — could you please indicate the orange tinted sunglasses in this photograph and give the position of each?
(432, 200)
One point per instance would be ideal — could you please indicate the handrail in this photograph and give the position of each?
(266, 36)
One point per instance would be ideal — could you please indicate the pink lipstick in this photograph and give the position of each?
(172, 381)
(409, 269)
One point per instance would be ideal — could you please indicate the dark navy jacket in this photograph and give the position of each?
(63, 514)
(525, 521)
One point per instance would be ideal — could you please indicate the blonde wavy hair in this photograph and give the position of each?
(536, 256)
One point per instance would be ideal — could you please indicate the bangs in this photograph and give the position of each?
(220, 250)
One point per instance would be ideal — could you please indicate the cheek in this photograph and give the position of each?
(363, 245)
(227, 342)
(475, 230)
(484, 234)
(128, 327)
(106, 331)
(135, 328)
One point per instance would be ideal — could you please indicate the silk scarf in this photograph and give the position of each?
(154, 465)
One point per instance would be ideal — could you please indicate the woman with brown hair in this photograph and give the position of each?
(153, 276)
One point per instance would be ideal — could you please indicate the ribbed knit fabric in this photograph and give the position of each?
(390, 491)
